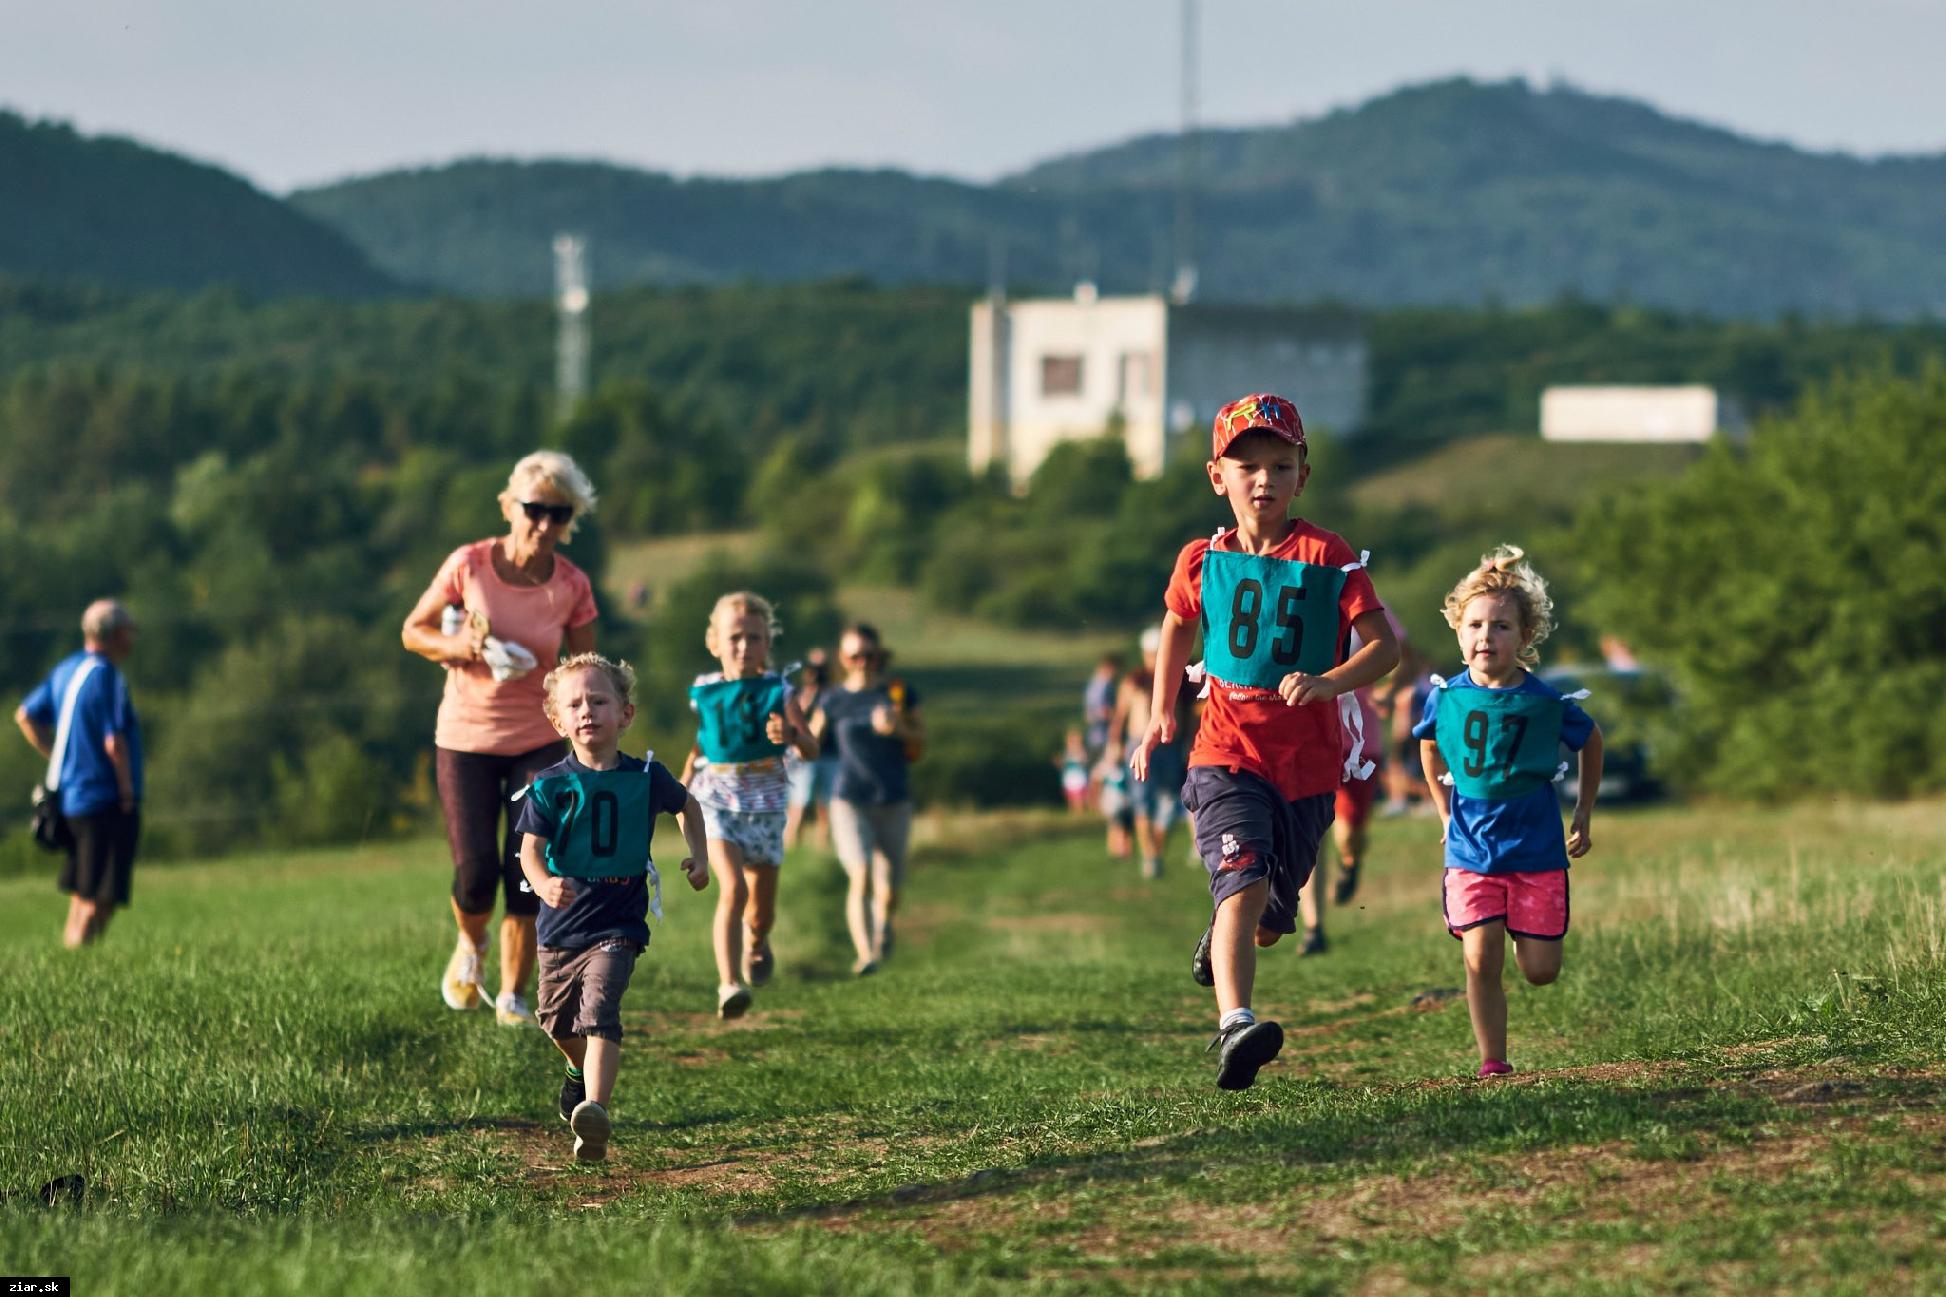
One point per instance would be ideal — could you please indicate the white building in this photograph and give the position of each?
(1048, 371)
(1660, 414)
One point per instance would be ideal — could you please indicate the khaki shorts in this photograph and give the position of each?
(581, 990)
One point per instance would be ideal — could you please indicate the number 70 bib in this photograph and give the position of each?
(602, 822)
(1265, 617)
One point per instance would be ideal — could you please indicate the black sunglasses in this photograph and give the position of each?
(560, 513)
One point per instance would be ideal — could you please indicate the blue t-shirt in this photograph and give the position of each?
(100, 709)
(1520, 835)
(601, 909)
(871, 766)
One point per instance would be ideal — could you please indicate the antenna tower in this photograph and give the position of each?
(571, 310)
(1184, 286)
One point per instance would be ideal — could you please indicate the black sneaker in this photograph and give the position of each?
(1314, 942)
(1199, 968)
(572, 1093)
(1347, 885)
(1245, 1048)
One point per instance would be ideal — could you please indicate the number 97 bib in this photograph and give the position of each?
(1499, 743)
(602, 820)
(1265, 617)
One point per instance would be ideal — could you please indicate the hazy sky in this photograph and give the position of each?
(293, 92)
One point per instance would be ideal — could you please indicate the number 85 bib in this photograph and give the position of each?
(1265, 617)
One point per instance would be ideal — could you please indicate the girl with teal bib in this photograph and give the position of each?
(746, 718)
(1490, 742)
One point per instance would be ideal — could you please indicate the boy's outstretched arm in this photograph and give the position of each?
(1580, 840)
(696, 867)
(554, 890)
(1378, 652)
(1171, 657)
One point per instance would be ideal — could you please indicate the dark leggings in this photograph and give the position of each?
(475, 788)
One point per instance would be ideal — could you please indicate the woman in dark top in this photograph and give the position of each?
(872, 725)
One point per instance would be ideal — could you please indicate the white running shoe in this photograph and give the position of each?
(460, 985)
(512, 1011)
(591, 1127)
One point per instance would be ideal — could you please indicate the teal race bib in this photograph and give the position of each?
(732, 715)
(1499, 743)
(602, 822)
(1264, 618)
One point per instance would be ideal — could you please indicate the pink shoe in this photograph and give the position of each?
(1494, 1067)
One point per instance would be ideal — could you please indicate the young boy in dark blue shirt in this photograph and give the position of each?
(588, 821)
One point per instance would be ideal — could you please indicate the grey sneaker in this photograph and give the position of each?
(572, 1093)
(1244, 1048)
(589, 1122)
(1199, 968)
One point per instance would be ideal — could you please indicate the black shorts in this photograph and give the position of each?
(476, 791)
(101, 855)
(1246, 832)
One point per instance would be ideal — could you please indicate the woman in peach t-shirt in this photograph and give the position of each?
(516, 605)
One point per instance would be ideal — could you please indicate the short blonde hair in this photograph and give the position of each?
(744, 603)
(620, 675)
(559, 473)
(1505, 570)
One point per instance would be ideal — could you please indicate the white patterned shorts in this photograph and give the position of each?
(759, 835)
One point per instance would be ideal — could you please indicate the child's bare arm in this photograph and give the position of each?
(554, 890)
(1171, 657)
(1377, 653)
(689, 765)
(1435, 767)
(696, 867)
(1580, 839)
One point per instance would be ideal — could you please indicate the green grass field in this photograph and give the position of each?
(1736, 1086)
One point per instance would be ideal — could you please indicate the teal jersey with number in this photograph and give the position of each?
(1499, 743)
(1265, 617)
(603, 820)
(732, 716)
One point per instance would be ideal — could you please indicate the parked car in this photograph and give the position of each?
(1634, 707)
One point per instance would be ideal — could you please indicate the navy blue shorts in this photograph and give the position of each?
(1246, 832)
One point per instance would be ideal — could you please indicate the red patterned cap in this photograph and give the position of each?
(1261, 412)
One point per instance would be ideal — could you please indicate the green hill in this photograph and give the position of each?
(114, 211)
(1455, 192)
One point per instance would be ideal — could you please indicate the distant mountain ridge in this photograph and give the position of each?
(114, 211)
(1451, 192)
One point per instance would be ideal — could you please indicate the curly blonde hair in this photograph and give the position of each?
(620, 675)
(1505, 570)
(743, 603)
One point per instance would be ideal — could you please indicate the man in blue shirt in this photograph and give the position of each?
(97, 776)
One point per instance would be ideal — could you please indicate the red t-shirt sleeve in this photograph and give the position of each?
(1184, 597)
(1359, 596)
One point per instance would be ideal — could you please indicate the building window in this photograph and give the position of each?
(1060, 375)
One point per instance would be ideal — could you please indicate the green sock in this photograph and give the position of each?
(574, 1073)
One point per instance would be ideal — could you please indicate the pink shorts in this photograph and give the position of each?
(1531, 905)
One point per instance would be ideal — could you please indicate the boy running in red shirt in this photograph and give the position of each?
(1277, 600)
